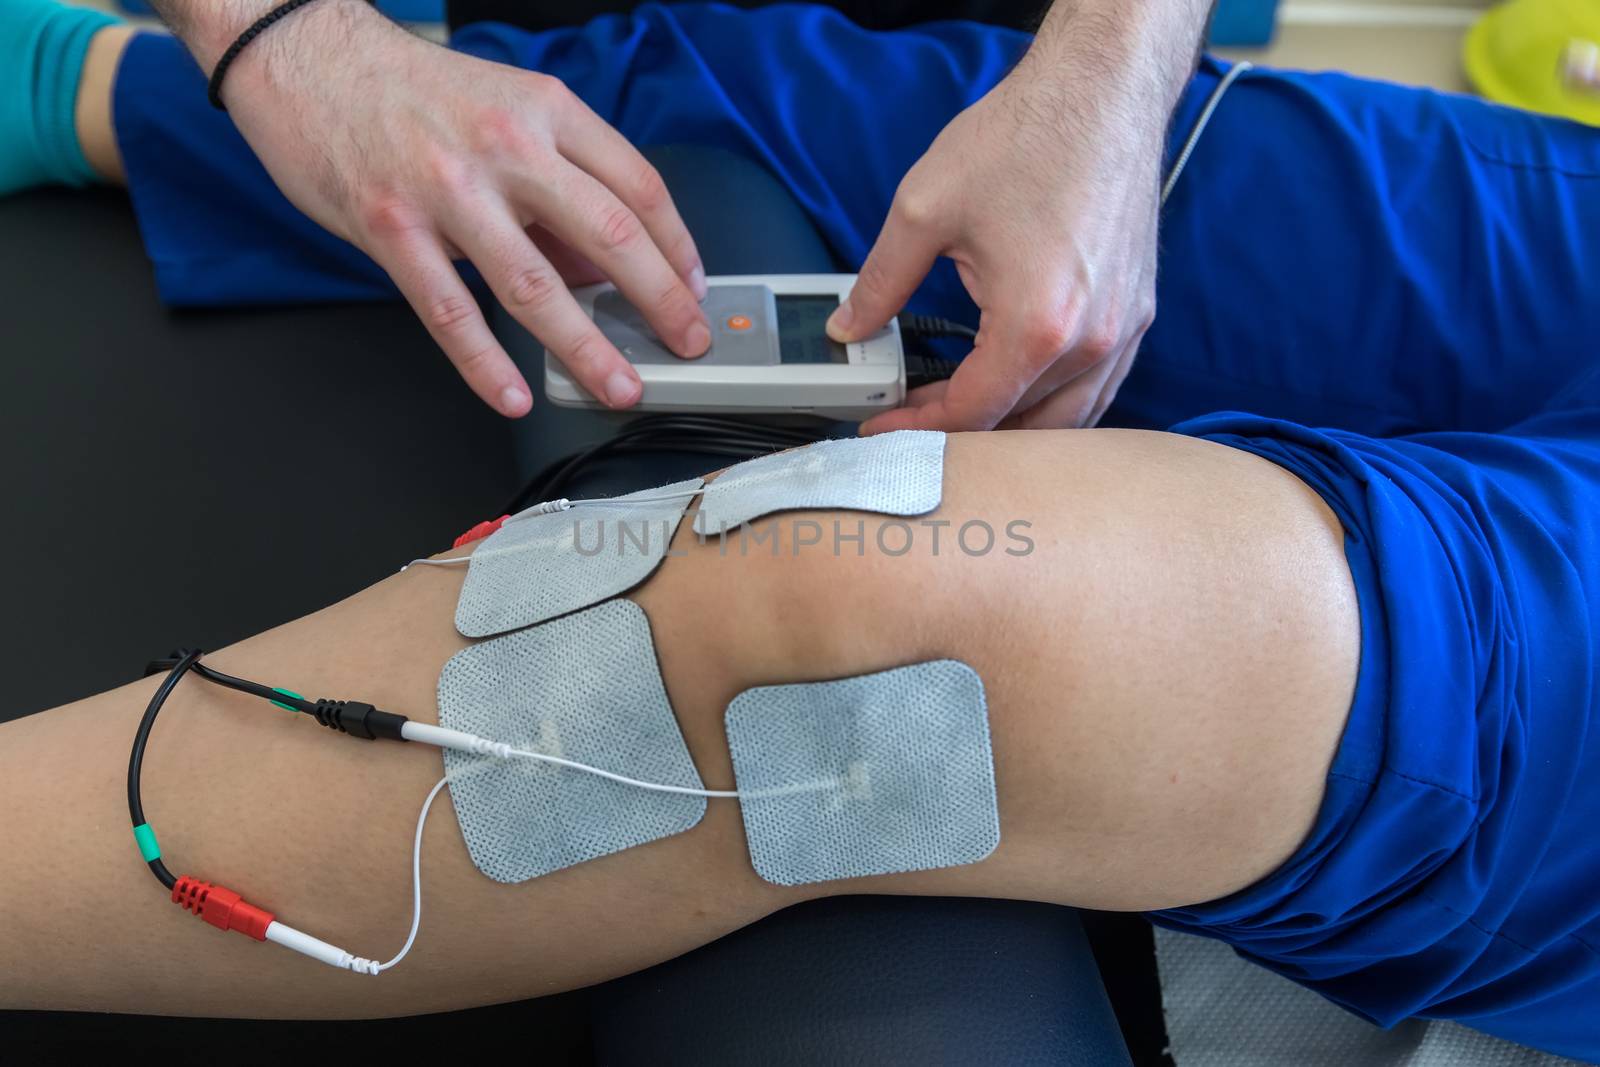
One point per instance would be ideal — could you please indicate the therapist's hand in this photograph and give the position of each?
(1045, 195)
(419, 155)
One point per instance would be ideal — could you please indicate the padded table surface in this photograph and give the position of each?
(201, 476)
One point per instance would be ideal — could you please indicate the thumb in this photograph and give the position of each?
(899, 260)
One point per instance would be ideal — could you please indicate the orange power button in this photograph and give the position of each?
(738, 322)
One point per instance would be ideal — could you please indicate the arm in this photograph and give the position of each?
(419, 155)
(1045, 194)
(1168, 674)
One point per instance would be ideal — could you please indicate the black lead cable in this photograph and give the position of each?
(353, 717)
(720, 435)
(142, 833)
(699, 434)
(934, 326)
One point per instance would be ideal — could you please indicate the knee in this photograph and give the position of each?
(1168, 657)
(1197, 689)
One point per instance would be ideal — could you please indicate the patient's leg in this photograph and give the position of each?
(1168, 673)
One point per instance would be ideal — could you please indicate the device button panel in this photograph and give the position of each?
(744, 328)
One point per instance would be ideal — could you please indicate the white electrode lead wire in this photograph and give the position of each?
(657, 787)
(1200, 126)
(366, 967)
(551, 507)
(416, 886)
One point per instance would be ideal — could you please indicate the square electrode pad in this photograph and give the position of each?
(877, 774)
(585, 687)
(900, 473)
(542, 566)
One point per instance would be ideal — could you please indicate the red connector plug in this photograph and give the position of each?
(480, 531)
(221, 907)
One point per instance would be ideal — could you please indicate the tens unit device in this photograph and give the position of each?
(769, 352)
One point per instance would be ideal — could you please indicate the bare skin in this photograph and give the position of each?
(1168, 674)
(92, 116)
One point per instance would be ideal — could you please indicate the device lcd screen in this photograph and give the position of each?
(802, 337)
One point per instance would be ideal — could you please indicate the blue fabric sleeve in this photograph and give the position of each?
(215, 226)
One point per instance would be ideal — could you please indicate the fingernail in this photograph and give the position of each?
(839, 321)
(698, 340)
(621, 388)
(514, 401)
(697, 282)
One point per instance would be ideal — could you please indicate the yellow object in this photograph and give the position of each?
(1539, 55)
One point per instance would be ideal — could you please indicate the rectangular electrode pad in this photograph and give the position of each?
(542, 566)
(877, 774)
(900, 473)
(585, 687)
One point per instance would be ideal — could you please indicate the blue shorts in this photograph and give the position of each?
(1392, 293)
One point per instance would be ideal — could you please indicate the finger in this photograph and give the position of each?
(416, 260)
(601, 228)
(983, 389)
(1108, 392)
(922, 394)
(1059, 410)
(1082, 363)
(573, 268)
(1062, 374)
(1080, 400)
(530, 289)
(594, 145)
(900, 258)
(1078, 403)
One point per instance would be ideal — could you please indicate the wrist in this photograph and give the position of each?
(210, 27)
(1125, 59)
(321, 27)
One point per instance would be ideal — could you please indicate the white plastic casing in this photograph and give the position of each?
(873, 379)
(318, 949)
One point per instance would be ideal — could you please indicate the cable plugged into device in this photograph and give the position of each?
(934, 326)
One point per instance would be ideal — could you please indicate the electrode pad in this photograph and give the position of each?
(902, 765)
(542, 566)
(585, 687)
(900, 473)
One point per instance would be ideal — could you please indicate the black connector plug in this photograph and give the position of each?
(359, 719)
(924, 370)
(933, 326)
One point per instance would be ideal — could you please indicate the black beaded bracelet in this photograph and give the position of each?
(214, 87)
